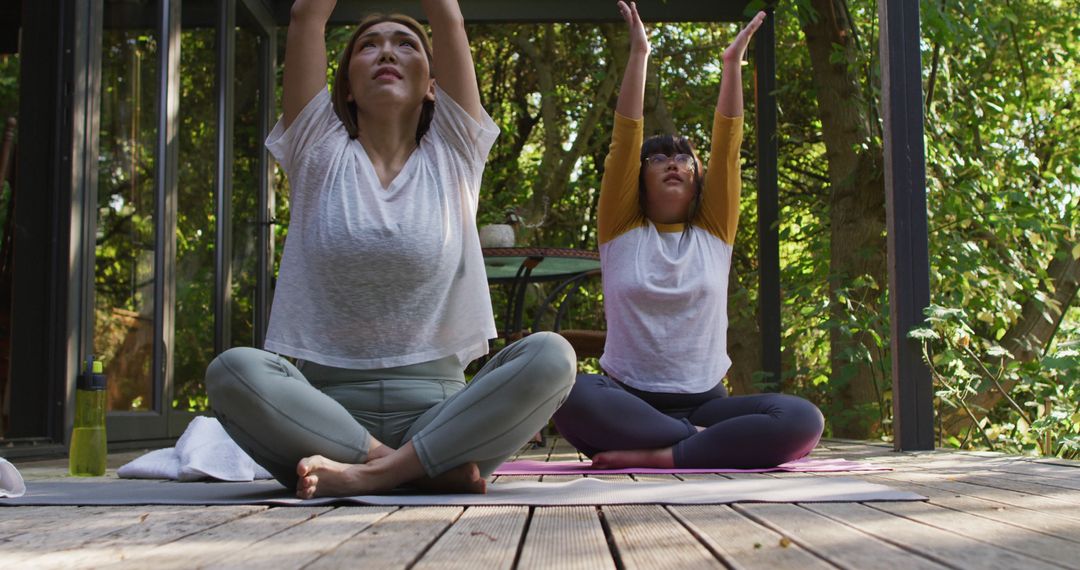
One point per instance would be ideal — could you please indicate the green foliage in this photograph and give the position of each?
(1040, 411)
(1003, 195)
(860, 318)
(1003, 154)
(196, 219)
(1003, 157)
(126, 238)
(1003, 180)
(126, 224)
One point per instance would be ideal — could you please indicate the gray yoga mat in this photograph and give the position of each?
(573, 492)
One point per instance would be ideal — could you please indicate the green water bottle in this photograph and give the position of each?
(88, 452)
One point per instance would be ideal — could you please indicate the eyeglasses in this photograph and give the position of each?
(684, 161)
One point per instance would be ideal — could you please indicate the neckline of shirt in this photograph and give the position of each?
(402, 176)
(669, 228)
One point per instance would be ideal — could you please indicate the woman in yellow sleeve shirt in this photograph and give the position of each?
(666, 230)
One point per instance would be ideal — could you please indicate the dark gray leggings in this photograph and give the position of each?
(279, 414)
(760, 430)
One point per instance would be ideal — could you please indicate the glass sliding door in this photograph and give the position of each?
(125, 245)
(182, 250)
(257, 48)
(247, 161)
(133, 241)
(196, 216)
(221, 191)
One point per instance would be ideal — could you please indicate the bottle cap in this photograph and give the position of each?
(92, 377)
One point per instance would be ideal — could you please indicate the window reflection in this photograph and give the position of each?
(194, 335)
(245, 204)
(196, 217)
(125, 244)
(126, 248)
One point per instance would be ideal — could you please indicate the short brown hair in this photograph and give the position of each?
(345, 109)
(670, 145)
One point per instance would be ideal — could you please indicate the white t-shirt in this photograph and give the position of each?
(373, 277)
(665, 292)
(665, 297)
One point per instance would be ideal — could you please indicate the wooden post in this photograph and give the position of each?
(905, 195)
(768, 200)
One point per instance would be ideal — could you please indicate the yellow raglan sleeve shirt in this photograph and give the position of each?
(618, 211)
(719, 213)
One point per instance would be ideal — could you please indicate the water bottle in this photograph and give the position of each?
(88, 451)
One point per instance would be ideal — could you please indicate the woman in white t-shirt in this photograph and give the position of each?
(665, 234)
(382, 296)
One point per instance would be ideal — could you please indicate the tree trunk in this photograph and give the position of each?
(656, 114)
(506, 155)
(557, 164)
(857, 212)
(744, 344)
(1039, 321)
(657, 117)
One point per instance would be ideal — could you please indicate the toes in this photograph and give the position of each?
(305, 487)
(309, 465)
(304, 466)
(478, 483)
(473, 470)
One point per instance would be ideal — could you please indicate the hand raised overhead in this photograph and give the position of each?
(734, 52)
(639, 39)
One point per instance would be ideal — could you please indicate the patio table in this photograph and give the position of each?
(520, 266)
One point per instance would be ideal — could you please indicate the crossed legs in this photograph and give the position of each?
(310, 442)
(618, 428)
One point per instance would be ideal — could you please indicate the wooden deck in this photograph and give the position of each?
(985, 511)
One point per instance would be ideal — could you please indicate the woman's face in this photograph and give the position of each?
(388, 66)
(669, 187)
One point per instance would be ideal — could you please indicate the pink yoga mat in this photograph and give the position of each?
(529, 467)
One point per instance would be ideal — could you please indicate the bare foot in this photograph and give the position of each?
(322, 477)
(662, 458)
(461, 479)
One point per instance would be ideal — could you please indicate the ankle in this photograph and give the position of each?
(378, 452)
(391, 470)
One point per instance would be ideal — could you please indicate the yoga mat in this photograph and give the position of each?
(574, 492)
(529, 467)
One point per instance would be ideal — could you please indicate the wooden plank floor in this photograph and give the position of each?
(985, 511)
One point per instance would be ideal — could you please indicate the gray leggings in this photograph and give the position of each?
(279, 415)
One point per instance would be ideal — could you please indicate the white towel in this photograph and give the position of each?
(11, 482)
(204, 451)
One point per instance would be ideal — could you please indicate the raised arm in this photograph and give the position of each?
(618, 211)
(631, 101)
(305, 55)
(452, 60)
(730, 101)
(723, 182)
